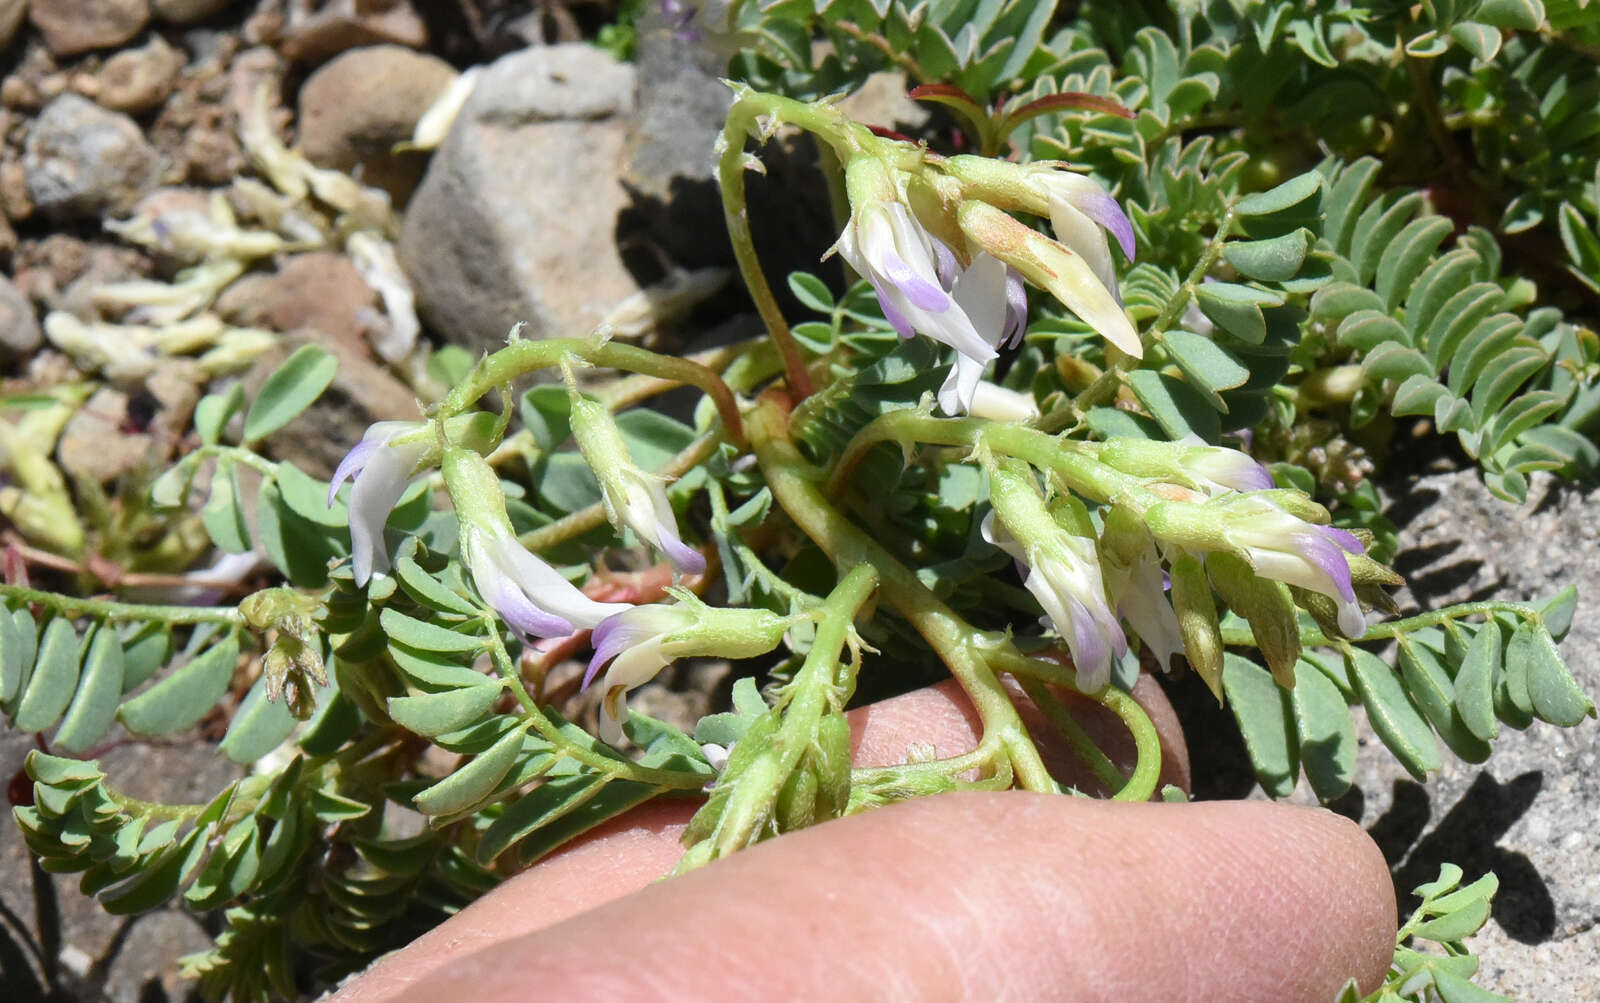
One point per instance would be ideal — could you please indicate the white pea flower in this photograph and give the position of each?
(381, 464)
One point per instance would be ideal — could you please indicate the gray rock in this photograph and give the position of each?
(20, 334)
(82, 160)
(516, 218)
(73, 26)
(357, 106)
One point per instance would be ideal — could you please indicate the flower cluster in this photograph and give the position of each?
(965, 289)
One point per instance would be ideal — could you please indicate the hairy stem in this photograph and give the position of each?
(522, 357)
(794, 484)
(106, 609)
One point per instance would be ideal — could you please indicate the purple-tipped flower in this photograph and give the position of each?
(1140, 594)
(1081, 214)
(1287, 549)
(1063, 573)
(1215, 470)
(533, 598)
(1277, 543)
(381, 466)
(632, 497)
(642, 640)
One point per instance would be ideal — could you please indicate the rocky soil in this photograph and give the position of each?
(190, 189)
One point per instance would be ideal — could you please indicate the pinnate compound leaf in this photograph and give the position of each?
(291, 389)
(1266, 720)
(184, 697)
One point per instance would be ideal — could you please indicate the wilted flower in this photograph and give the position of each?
(533, 598)
(632, 497)
(381, 464)
(642, 640)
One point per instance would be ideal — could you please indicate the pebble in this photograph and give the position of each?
(346, 24)
(137, 80)
(187, 11)
(357, 106)
(20, 334)
(322, 292)
(71, 27)
(84, 160)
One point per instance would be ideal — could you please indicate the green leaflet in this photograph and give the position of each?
(94, 706)
(436, 713)
(289, 390)
(183, 698)
(1393, 716)
(49, 688)
(1327, 736)
(1266, 719)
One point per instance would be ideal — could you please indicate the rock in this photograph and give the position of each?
(11, 14)
(73, 26)
(357, 106)
(322, 292)
(346, 24)
(515, 219)
(94, 445)
(362, 392)
(83, 160)
(20, 335)
(187, 11)
(136, 80)
(14, 191)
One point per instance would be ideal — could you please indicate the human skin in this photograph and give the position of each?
(962, 896)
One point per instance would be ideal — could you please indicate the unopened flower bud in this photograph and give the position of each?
(1196, 609)
(1268, 609)
(1052, 267)
(1212, 469)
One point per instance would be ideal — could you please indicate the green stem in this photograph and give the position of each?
(794, 484)
(1141, 784)
(106, 609)
(615, 767)
(522, 357)
(1240, 635)
(1057, 714)
(1106, 384)
(592, 517)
